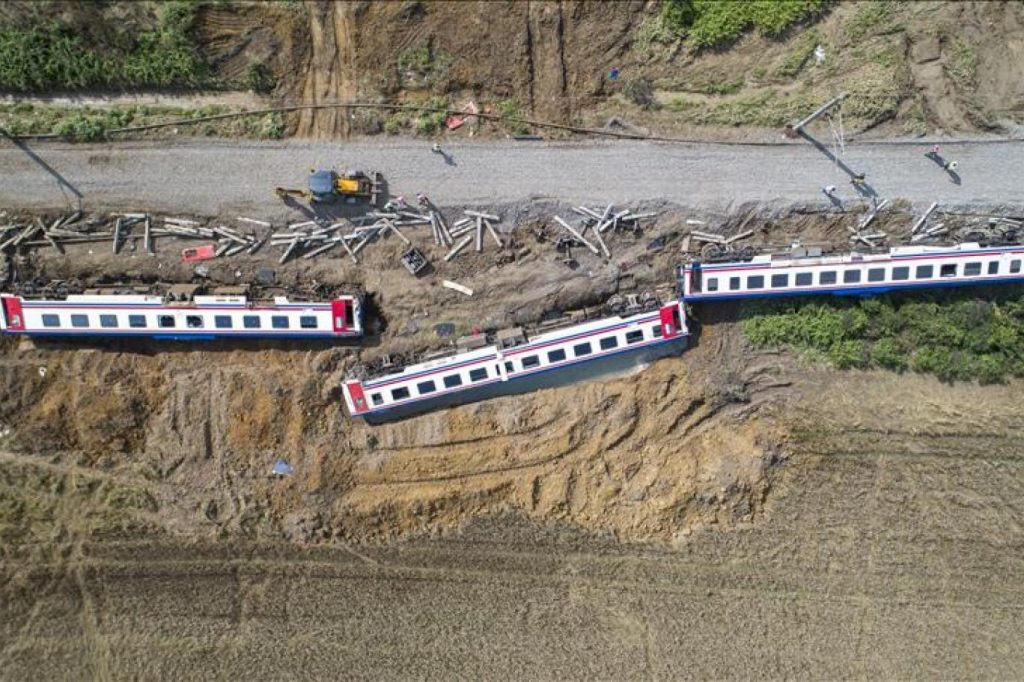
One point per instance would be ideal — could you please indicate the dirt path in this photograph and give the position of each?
(216, 177)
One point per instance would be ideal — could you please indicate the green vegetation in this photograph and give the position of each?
(56, 57)
(509, 110)
(87, 124)
(801, 54)
(423, 67)
(956, 336)
(712, 23)
(639, 91)
(259, 79)
(431, 122)
(964, 69)
(870, 17)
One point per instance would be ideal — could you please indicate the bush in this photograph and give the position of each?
(955, 336)
(640, 92)
(710, 23)
(56, 57)
(259, 79)
(80, 127)
(509, 111)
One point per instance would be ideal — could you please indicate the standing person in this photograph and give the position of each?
(934, 151)
(830, 191)
(859, 180)
(951, 166)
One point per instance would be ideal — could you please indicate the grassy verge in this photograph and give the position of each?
(87, 124)
(54, 56)
(712, 23)
(963, 335)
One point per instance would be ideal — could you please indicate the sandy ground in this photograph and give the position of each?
(889, 549)
(224, 177)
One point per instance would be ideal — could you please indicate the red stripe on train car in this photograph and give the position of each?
(355, 391)
(13, 316)
(671, 323)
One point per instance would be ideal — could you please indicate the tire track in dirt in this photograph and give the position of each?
(331, 71)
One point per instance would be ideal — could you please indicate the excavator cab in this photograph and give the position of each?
(326, 186)
(322, 186)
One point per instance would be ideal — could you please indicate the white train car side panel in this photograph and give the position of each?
(205, 318)
(853, 274)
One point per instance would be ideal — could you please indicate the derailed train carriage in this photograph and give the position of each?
(572, 348)
(181, 312)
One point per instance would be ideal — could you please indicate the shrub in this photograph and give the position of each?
(259, 79)
(709, 23)
(639, 91)
(955, 336)
(56, 57)
(80, 127)
(510, 112)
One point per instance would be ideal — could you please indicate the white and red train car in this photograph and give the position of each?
(163, 317)
(806, 271)
(516, 362)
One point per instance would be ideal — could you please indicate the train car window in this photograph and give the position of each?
(947, 270)
(193, 321)
(479, 374)
(712, 284)
(307, 321)
(924, 272)
(108, 321)
(734, 284)
(399, 393)
(531, 361)
(780, 281)
(509, 368)
(755, 282)
(1015, 266)
(165, 321)
(609, 342)
(581, 349)
(876, 275)
(851, 276)
(222, 321)
(425, 387)
(656, 330)
(251, 321)
(452, 380)
(376, 399)
(901, 273)
(804, 279)
(79, 320)
(635, 336)
(556, 355)
(993, 267)
(136, 321)
(50, 320)
(279, 321)
(972, 269)
(827, 277)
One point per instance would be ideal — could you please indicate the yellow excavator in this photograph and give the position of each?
(327, 186)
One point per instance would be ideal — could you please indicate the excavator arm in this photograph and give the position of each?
(283, 192)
